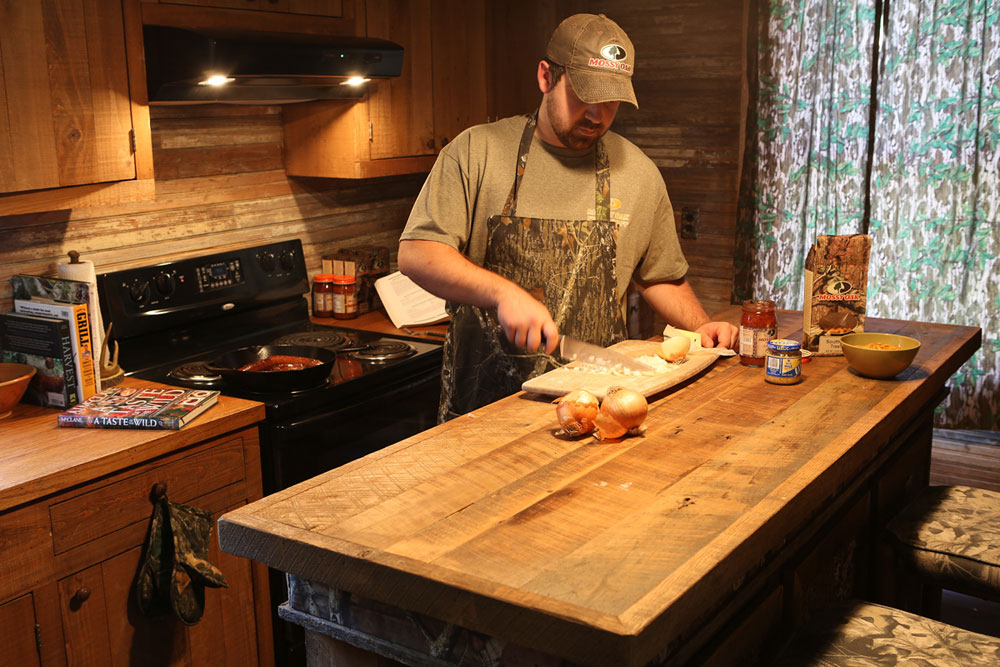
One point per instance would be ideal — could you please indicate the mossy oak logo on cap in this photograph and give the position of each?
(614, 56)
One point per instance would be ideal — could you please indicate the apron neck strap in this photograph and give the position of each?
(602, 190)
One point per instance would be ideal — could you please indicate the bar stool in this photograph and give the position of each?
(950, 536)
(864, 633)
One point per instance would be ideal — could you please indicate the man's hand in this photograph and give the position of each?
(526, 321)
(718, 334)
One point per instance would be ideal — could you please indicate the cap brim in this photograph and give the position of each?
(598, 87)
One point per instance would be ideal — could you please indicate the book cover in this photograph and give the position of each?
(83, 353)
(47, 344)
(139, 408)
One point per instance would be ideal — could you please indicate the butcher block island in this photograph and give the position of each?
(492, 539)
(75, 512)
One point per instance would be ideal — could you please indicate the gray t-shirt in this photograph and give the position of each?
(473, 175)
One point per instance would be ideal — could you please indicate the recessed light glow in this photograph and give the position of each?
(216, 80)
(354, 81)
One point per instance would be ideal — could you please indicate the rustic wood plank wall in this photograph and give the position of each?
(220, 184)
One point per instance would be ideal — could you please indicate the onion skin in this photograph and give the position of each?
(622, 411)
(576, 412)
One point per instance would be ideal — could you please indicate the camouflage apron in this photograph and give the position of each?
(569, 265)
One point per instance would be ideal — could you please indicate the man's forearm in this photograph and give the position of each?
(447, 273)
(676, 303)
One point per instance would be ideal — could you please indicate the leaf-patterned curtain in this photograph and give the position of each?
(934, 186)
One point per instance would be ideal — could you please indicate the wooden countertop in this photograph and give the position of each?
(37, 457)
(602, 553)
(379, 322)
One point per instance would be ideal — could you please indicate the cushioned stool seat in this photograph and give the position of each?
(862, 633)
(951, 535)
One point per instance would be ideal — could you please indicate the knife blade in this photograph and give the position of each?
(572, 349)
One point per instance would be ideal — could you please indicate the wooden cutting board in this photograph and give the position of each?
(577, 376)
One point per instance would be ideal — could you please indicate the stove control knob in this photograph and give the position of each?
(267, 262)
(139, 290)
(165, 284)
(287, 260)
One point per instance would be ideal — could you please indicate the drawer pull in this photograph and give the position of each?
(158, 491)
(82, 595)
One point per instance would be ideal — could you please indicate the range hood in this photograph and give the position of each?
(261, 68)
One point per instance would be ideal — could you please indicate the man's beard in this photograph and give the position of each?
(565, 132)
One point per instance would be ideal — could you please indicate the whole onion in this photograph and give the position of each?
(576, 412)
(622, 411)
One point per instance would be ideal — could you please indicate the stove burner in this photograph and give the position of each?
(329, 339)
(195, 371)
(383, 351)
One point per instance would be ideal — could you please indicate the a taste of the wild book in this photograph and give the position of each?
(140, 407)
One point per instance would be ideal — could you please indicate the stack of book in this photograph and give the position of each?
(50, 329)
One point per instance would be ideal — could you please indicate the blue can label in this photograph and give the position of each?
(783, 367)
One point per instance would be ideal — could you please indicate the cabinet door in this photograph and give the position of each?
(65, 115)
(401, 110)
(17, 632)
(459, 68)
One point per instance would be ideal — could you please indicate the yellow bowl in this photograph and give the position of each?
(879, 364)
(14, 379)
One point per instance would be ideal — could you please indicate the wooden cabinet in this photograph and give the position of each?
(67, 113)
(74, 556)
(403, 122)
(312, 7)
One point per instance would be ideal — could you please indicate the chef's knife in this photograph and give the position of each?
(572, 349)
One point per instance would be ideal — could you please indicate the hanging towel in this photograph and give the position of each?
(174, 570)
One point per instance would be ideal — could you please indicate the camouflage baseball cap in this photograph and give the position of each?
(598, 57)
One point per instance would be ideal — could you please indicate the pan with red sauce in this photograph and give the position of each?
(280, 362)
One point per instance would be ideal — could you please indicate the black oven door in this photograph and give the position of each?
(300, 449)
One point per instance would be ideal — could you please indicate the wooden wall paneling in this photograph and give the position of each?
(6, 147)
(33, 144)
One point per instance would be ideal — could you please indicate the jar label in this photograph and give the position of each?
(753, 341)
(322, 302)
(783, 367)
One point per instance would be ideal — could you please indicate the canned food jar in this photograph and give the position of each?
(345, 297)
(322, 295)
(784, 361)
(758, 325)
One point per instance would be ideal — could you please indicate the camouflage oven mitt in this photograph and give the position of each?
(175, 570)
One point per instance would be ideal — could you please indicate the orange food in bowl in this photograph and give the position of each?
(879, 355)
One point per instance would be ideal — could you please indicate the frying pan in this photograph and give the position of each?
(229, 364)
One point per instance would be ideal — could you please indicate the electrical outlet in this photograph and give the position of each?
(689, 222)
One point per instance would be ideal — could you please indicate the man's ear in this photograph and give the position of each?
(544, 77)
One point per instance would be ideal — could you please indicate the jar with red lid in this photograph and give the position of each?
(758, 325)
(345, 297)
(322, 295)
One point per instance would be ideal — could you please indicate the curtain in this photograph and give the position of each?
(935, 186)
(931, 142)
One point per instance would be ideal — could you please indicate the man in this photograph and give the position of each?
(534, 227)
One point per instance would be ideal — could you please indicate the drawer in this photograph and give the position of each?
(126, 500)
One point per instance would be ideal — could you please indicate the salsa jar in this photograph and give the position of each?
(784, 361)
(322, 295)
(345, 297)
(758, 325)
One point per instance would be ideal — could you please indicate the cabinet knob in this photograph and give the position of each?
(158, 491)
(444, 141)
(82, 595)
(430, 144)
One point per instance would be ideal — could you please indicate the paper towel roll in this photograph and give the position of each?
(84, 271)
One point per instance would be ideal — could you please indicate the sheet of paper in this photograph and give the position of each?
(407, 303)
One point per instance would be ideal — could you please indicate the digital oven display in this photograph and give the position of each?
(218, 275)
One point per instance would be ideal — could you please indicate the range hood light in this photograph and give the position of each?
(216, 80)
(354, 81)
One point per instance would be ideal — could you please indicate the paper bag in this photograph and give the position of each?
(836, 291)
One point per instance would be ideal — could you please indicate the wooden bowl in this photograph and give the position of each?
(14, 379)
(875, 363)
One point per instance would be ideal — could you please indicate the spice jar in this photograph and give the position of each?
(345, 297)
(322, 295)
(784, 361)
(758, 325)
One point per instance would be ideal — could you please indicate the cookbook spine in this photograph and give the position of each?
(91, 421)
